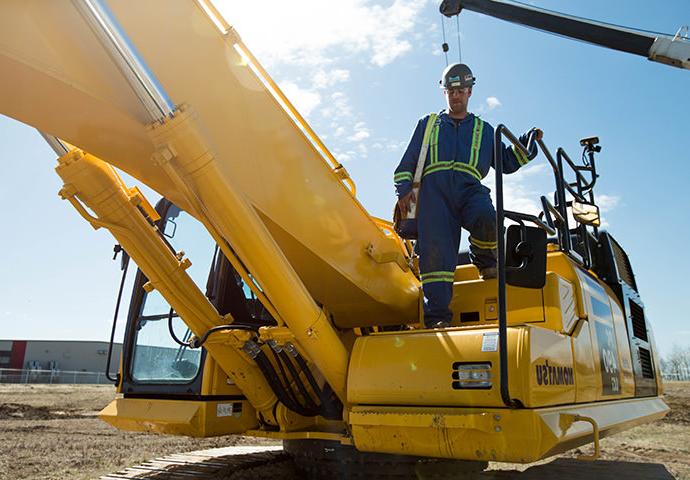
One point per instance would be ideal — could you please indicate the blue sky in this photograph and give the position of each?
(363, 73)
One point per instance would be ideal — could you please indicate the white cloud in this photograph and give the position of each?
(397, 146)
(338, 107)
(344, 157)
(493, 102)
(607, 202)
(361, 132)
(304, 100)
(519, 194)
(304, 31)
(324, 40)
(324, 79)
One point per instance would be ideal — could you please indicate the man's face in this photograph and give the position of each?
(457, 99)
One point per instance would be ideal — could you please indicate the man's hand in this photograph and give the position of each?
(538, 134)
(405, 202)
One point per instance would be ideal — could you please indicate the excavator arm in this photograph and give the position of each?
(674, 51)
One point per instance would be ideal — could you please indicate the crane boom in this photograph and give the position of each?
(674, 51)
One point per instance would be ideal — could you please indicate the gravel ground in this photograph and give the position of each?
(52, 432)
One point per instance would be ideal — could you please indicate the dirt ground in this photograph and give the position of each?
(52, 432)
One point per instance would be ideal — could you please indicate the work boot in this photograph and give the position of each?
(487, 273)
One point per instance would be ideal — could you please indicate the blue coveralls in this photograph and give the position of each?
(450, 197)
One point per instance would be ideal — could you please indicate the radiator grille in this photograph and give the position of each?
(623, 264)
(638, 322)
(646, 361)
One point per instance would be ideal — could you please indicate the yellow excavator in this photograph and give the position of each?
(268, 302)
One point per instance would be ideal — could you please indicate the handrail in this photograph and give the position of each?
(560, 226)
(548, 210)
(520, 217)
(500, 131)
(577, 169)
(557, 167)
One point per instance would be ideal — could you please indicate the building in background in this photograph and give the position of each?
(65, 355)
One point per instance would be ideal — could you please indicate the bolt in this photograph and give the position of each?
(497, 428)
(497, 418)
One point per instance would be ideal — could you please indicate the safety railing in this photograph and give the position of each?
(25, 376)
(553, 219)
(581, 190)
(501, 215)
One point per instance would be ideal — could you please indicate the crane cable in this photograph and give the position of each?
(444, 46)
(457, 26)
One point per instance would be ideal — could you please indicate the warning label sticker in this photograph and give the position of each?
(224, 409)
(490, 342)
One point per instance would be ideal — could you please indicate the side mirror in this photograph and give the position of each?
(526, 257)
(170, 228)
(587, 214)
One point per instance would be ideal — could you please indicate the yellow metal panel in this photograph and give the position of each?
(215, 381)
(524, 304)
(180, 417)
(552, 377)
(627, 375)
(493, 434)
(559, 303)
(585, 379)
(417, 367)
(605, 350)
(464, 273)
(559, 263)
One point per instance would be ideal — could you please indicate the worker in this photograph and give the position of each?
(460, 152)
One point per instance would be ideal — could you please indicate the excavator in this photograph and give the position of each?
(268, 302)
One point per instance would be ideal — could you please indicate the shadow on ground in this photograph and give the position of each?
(277, 465)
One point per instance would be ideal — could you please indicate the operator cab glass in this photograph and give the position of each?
(157, 357)
(153, 361)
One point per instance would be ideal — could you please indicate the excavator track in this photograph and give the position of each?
(231, 463)
(326, 462)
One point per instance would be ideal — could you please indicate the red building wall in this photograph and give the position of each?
(18, 352)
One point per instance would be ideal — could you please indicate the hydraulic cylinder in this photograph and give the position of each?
(128, 216)
(184, 154)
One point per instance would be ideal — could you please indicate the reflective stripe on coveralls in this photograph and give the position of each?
(431, 277)
(482, 244)
(476, 142)
(428, 134)
(521, 157)
(469, 168)
(433, 155)
(402, 176)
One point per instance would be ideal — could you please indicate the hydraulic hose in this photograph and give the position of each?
(284, 379)
(125, 263)
(298, 381)
(272, 377)
(310, 378)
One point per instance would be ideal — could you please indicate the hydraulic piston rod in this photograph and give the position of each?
(90, 182)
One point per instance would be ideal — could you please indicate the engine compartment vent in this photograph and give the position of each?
(623, 263)
(638, 321)
(646, 362)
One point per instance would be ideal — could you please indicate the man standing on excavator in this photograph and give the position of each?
(460, 151)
